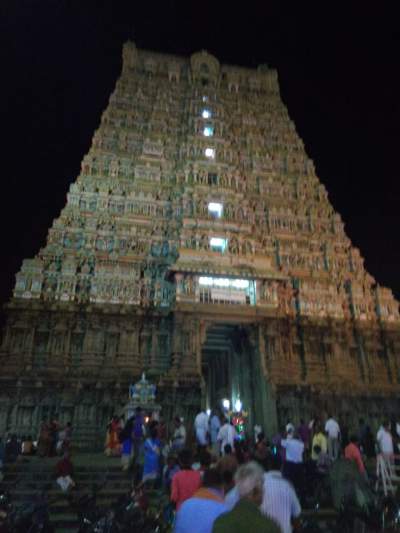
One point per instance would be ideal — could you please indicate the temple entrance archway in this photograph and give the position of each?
(231, 370)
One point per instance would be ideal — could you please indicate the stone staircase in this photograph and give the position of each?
(29, 476)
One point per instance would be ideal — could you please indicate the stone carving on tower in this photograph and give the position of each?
(196, 202)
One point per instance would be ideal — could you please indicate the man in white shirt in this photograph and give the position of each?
(293, 468)
(280, 501)
(385, 440)
(201, 428)
(215, 426)
(226, 435)
(332, 429)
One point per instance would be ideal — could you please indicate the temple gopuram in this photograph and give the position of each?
(197, 245)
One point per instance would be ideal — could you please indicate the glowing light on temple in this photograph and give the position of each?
(224, 282)
(218, 244)
(238, 405)
(215, 209)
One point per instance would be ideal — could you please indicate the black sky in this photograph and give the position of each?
(339, 76)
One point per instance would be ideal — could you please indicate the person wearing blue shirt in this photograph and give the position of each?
(197, 514)
(152, 452)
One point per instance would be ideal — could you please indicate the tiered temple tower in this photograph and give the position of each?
(197, 244)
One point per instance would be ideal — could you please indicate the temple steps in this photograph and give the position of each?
(26, 478)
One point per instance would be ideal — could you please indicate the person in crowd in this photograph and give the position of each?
(280, 501)
(12, 449)
(126, 440)
(112, 444)
(395, 432)
(385, 440)
(205, 460)
(54, 428)
(312, 425)
(226, 435)
(138, 434)
(228, 461)
(26, 445)
(246, 516)
(162, 430)
(362, 428)
(215, 425)
(179, 436)
(44, 440)
(202, 461)
(369, 443)
(201, 428)
(240, 451)
(245, 445)
(322, 462)
(293, 468)
(332, 429)
(352, 453)
(276, 440)
(64, 439)
(319, 439)
(186, 481)
(152, 453)
(170, 469)
(304, 433)
(64, 473)
(198, 513)
(261, 449)
(153, 423)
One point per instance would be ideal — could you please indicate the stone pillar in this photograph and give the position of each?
(265, 390)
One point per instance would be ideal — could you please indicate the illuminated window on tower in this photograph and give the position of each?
(227, 290)
(218, 244)
(206, 113)
(208, 131)
(210, 153)
(215, 209)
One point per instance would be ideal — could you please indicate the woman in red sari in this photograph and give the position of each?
(112, 444)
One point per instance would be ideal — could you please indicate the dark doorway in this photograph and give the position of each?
(231, 370)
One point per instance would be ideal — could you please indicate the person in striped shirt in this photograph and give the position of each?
(280, 501)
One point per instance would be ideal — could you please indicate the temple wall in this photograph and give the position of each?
(80, 367)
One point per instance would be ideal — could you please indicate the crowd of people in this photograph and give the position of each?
(219, 481)
(53, 439)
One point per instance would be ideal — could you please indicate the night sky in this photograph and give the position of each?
(339, 77)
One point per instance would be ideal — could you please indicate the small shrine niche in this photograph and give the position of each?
(205, 68)
(142, 394)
